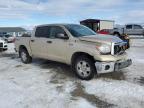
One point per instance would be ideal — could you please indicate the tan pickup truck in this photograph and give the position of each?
(88, 53)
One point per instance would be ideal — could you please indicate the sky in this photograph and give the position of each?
(35, 12)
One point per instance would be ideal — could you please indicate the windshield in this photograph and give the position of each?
(79, 30)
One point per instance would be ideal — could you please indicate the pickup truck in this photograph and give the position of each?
(129, 29)
(87, 52)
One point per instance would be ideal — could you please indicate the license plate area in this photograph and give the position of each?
(122, 64)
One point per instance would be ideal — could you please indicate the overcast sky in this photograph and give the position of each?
(33, 12)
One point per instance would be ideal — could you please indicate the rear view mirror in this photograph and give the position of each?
(61, 36)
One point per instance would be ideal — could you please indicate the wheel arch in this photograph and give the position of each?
(77, 54)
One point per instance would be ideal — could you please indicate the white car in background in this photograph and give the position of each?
(9, 38)
(3, 45)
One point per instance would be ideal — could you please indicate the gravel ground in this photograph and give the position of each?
(46, 84)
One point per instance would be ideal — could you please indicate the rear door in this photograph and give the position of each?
(38, 43)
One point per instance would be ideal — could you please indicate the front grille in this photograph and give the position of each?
(119, 48)
(1, 44)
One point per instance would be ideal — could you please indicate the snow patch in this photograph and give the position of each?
(121, 93)
(80, 103)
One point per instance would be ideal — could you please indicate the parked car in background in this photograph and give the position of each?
(87, 52)
(129, 29)
(9, 38)
(124, 37)
(3, 44)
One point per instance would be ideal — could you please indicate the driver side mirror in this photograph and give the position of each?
(62, 36)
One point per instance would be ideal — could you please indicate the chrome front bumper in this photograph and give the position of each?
(105, 67)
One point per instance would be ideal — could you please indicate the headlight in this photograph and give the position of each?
(104, 49)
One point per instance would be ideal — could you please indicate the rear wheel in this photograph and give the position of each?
(84, 68)
(25, 57)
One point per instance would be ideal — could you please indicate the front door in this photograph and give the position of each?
(56, 47)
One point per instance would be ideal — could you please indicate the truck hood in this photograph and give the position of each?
(101, 38)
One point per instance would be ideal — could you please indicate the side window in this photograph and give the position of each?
(137, 27)
(128, 26)
(56, 30)
(42, 31)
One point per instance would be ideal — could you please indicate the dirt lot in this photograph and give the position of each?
(46, 84)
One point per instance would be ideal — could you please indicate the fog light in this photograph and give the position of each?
(107, 67)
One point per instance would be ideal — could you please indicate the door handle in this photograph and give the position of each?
(49, 42)
(32, 40)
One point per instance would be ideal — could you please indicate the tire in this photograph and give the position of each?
(84, 67)
(25, 57)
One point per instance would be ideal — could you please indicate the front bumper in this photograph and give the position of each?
(105, 67)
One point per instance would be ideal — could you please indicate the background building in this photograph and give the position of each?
(14, 31)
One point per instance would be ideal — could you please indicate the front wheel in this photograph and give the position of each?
(25, 57)
(84, 68)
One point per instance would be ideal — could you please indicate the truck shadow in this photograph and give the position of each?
(59, 68)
